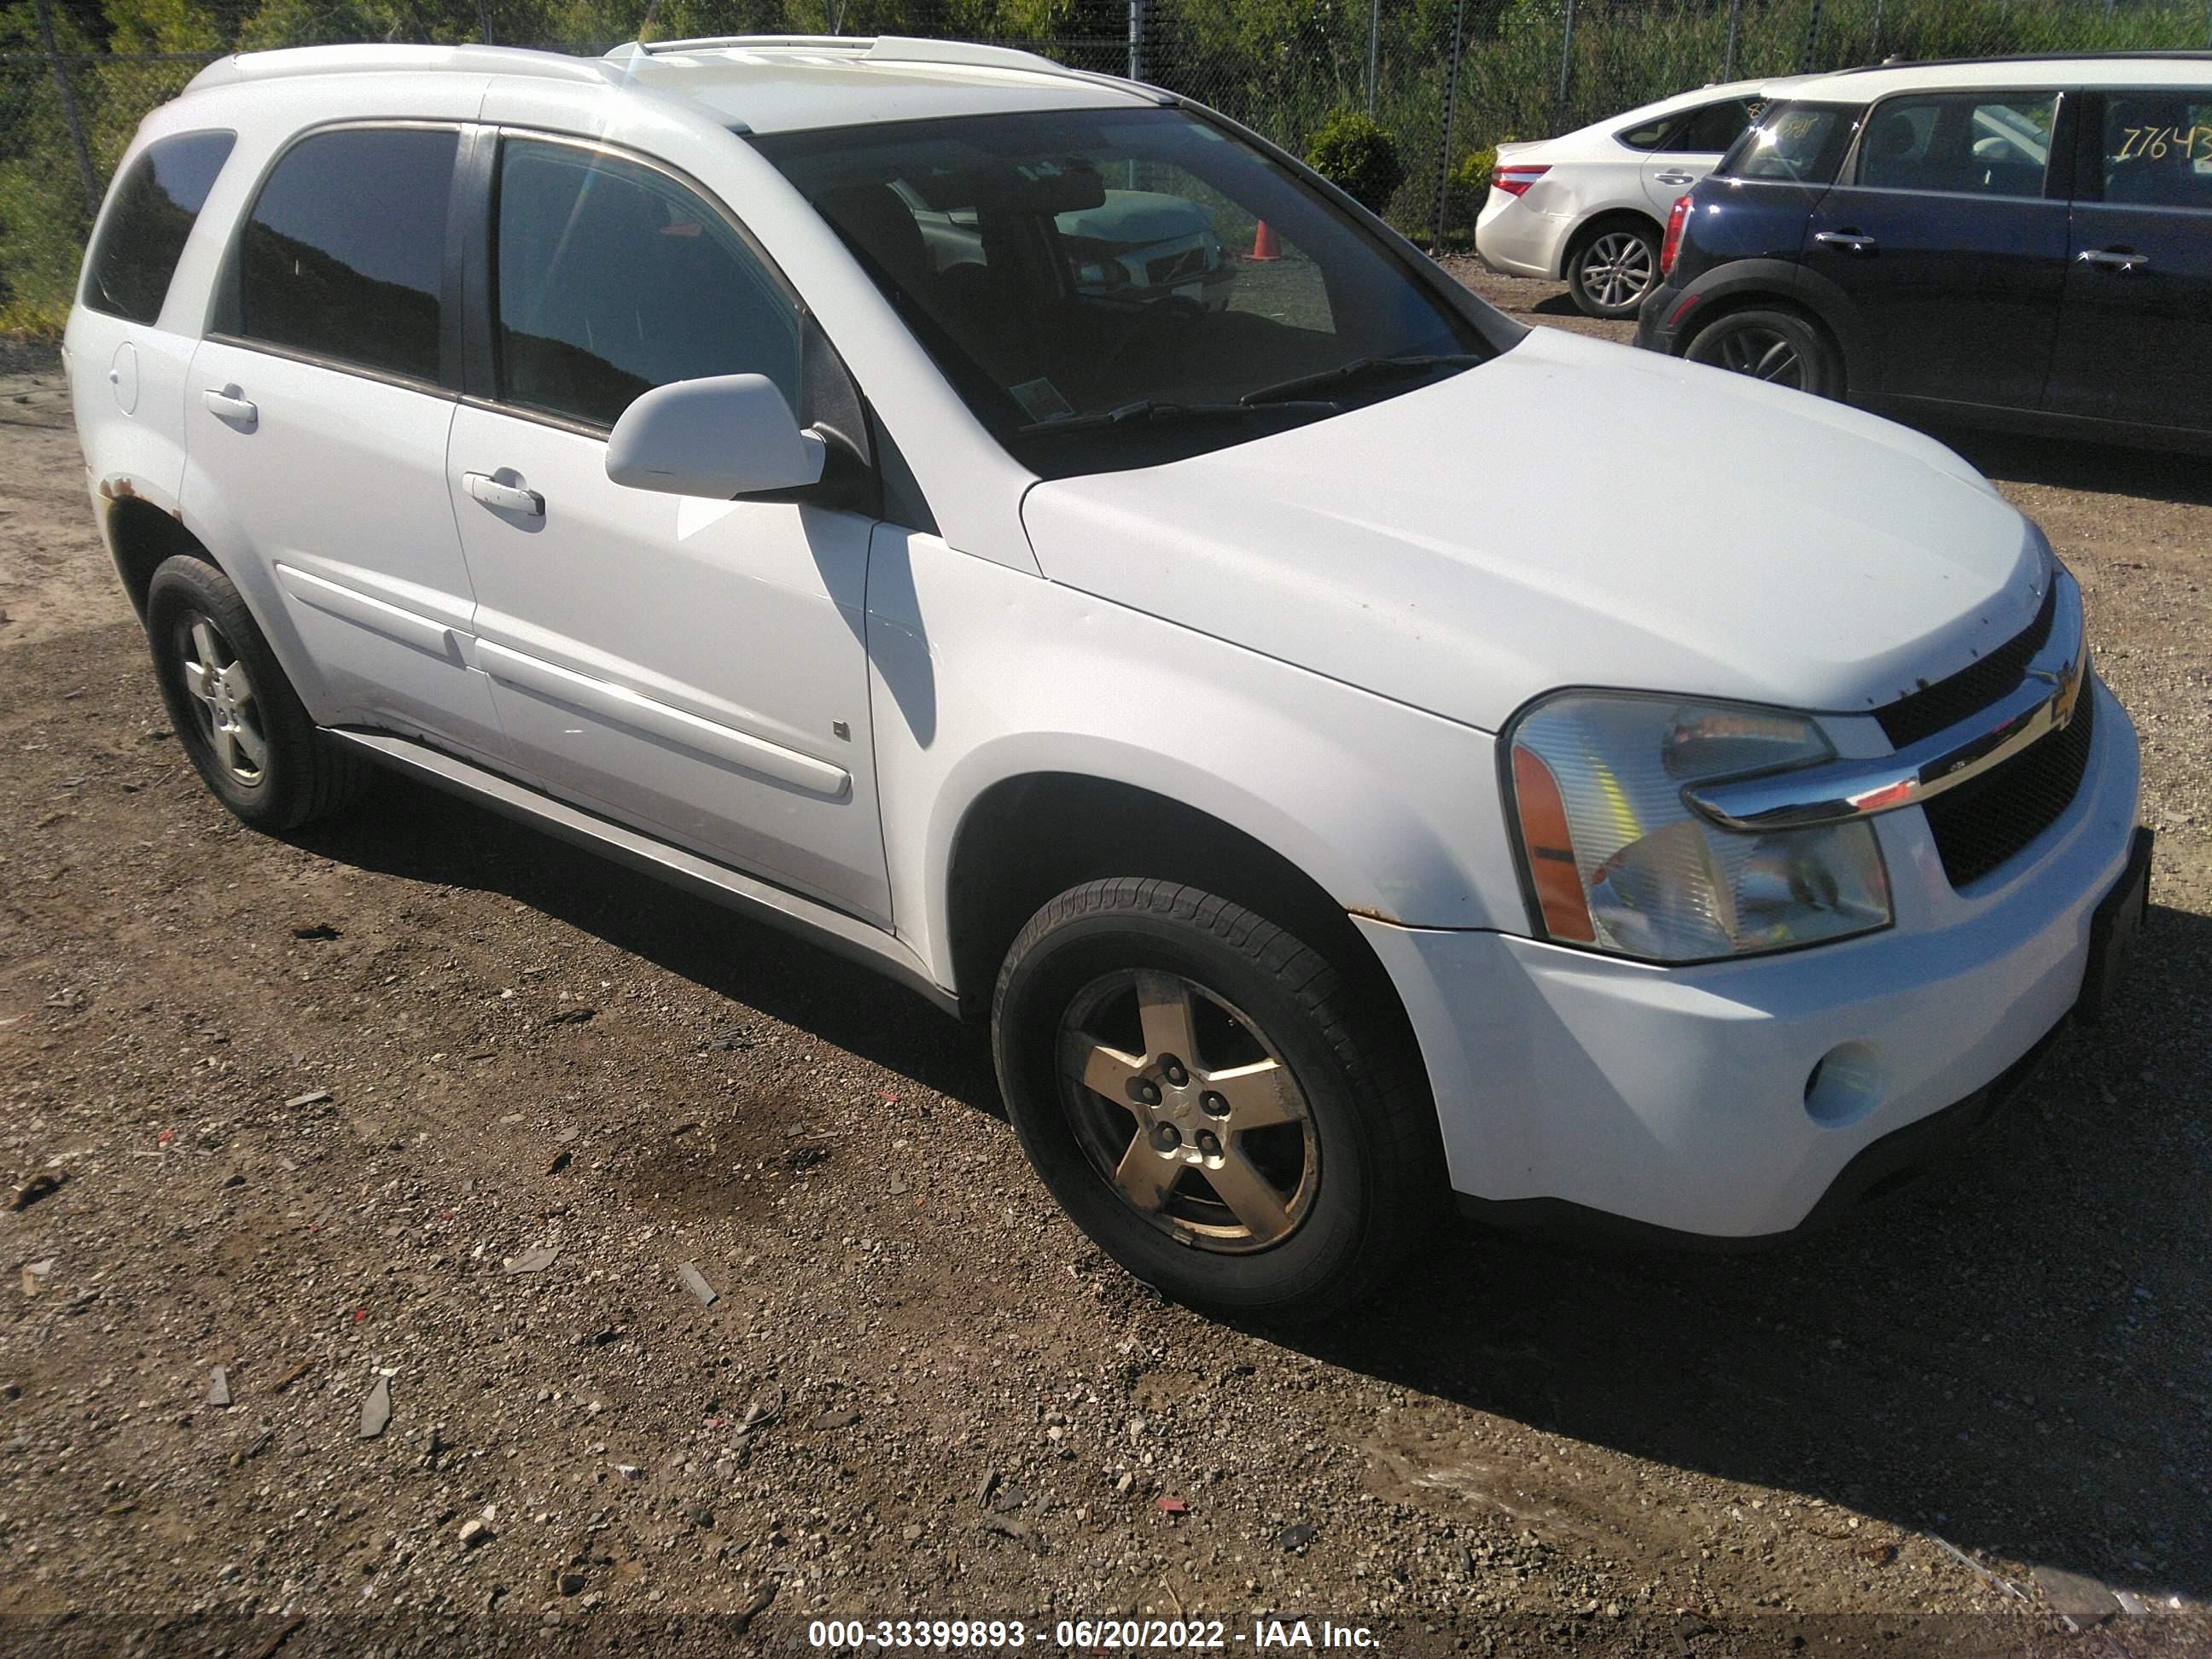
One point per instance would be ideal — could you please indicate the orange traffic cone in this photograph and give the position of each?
(1263, 243)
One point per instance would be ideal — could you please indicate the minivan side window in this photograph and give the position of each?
(613, 278)
(157, 203)
(2158, 148)
(1961, 143)
(343, 256)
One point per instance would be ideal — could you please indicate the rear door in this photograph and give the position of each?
(1692, 150)
(2134, 332)
(1947, 232)
(318, 409)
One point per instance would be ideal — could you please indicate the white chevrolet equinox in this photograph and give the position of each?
(805, 469)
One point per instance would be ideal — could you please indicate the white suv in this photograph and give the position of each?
(1286, 719)
(1586, 208)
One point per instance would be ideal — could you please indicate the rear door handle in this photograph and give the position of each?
(1847, 239)
(2115, 259)
(227, 405)
(1675, 177)
(508, 498)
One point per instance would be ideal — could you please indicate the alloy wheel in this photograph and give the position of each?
(1184, 1107)
(1764, 354)
(223, 698)
(1618, 270)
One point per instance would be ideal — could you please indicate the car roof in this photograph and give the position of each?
(1682, 100)
(2178, 69)
(753, 83)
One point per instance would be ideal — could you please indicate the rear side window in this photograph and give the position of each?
(1651, 135)
(1962, 143)
(2158, 148)
(614, 278)
(1800, 143)
(344, 256)
(156, 203)
(1712, 129)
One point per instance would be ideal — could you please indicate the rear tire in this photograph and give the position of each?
(1211, 1102)
(1783, 348)
(1613, 269)
(237, 716)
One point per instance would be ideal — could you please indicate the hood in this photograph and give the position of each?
(1572, 514)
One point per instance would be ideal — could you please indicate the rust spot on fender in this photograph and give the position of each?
(117, 488)
(1366, 913)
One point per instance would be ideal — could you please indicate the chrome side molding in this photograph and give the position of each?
(1837, 792)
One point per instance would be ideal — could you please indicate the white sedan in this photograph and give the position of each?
(1586, 207)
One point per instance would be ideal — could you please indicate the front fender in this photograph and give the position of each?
(980, 674)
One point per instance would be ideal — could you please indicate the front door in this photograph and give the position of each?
(316, 418)
(695, 668)
(1940, 234)
(2134, 332)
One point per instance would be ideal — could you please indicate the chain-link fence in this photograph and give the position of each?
(1446, 79)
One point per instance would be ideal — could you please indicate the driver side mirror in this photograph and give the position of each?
(722, 437)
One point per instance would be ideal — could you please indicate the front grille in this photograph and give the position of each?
(1983, 823)
(1973, 689)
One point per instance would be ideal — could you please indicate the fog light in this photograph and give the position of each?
(1844, 1085)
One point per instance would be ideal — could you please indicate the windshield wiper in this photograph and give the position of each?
(1149, 409)
(1359, 368)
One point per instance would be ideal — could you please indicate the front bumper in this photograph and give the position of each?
(1678, 1098)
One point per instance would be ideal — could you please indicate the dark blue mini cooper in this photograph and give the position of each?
(2021, 242)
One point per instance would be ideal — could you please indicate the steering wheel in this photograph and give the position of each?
(1172, 314)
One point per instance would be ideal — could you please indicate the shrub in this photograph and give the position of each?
(1359, 157)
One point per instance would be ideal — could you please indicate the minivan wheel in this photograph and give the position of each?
(1612, 272)
(1210, 1102)
(1779, 347)
(236, 714)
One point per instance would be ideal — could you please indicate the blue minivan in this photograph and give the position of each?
(2015, 242)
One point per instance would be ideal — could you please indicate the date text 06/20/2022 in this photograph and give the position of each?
(1089, 1635)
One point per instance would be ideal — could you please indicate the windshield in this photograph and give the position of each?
(1112, 289)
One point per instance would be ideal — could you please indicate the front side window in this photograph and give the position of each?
(157, 203)
(1109, 289)
(1802, 143)
(1711, 130)
(344, 254)
(2158, 148)
(1963, 143)
(613, 278)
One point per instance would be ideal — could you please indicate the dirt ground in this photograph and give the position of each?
(424, 1107)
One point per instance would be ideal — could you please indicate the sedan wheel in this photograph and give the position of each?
(1612, 274)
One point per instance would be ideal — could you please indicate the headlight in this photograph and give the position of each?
(1618, 862)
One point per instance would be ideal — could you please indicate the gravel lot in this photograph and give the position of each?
(428, 1106)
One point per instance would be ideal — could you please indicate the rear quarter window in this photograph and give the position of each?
(156, 202)
(1799, 143)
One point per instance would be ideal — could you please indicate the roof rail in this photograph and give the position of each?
(879, 48)
(2175, 54)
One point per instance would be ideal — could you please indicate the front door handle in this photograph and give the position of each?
(508, 498)
(1675, 177)
(1846, 238)
(227, 405)
(2115, 259)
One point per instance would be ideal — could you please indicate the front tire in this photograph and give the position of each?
(1782, 347)
(1212, 1102)
(1612, 271)
(243, 726)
